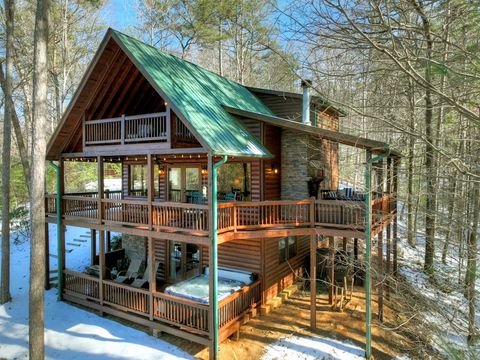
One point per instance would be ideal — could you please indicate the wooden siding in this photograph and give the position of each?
(238, 254)
(285, 107)
(279, 276)
(160, 247)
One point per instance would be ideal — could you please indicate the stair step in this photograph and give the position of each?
(53, 271)
(85, 236)
(73, 244)
(68, 250)
(54, 256)
(54, 278)
(80, 240)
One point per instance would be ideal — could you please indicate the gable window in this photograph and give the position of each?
(138, 180)
(287, 248)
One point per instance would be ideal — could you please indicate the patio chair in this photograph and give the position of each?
(230, 196)
(196, 197)
(141, 280)
(133, 270)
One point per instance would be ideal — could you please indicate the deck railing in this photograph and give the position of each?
(126, 297)
(172, 310)
(232, 307)
(180, 216)
(232, 216)
(81, 285)
(181, 312)
(126, 129)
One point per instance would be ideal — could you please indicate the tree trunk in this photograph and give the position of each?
(39, 145)
(431, 173)
(7, 143)
(471, 273)
(15, 122)
(411, 236)
(451, 209)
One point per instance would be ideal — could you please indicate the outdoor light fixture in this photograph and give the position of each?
(274, 169)
(204, 170)
(161, 170)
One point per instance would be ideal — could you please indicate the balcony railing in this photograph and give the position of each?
(232, 216)
(127, 129)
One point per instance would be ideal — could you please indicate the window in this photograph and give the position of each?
(287, 248)
(138, 180)
(235, 177)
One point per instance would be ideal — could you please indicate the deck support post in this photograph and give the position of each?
(331, 287)
(47, 257)
(151, 252)
(313, 267)
(313, 281)
(93, 246)
(101, 233)
(213, 255)
(368, 244)
(355, 249)
(60, 226)
(380, 273)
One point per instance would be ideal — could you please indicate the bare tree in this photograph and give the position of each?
(7, 141)
(39, 145)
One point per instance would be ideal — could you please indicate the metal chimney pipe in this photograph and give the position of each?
(306, 85)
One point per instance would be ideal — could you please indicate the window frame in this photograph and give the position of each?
(287, 247)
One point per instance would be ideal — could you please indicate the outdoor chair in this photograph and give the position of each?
(133, 270)
(196, 197)
(230, 196)
(141, 280)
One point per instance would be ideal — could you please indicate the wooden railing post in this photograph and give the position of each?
(168, 125)
(122, 130)
(100, 187)
(235, 209)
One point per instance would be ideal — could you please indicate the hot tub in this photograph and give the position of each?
(196, 288)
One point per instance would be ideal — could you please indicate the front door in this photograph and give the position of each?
(182, 181)
(184, 261)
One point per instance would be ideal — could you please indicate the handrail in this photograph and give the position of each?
(232, 216)
(127, 129)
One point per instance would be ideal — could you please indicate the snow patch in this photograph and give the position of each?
(311, 348)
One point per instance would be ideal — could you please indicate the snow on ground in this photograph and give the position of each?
(71, 333)
(448, 312)
(311, 348)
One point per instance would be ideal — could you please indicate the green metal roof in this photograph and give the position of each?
(197, 96)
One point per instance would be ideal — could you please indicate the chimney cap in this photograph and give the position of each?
(306, 83)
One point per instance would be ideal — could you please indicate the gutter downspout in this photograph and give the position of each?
(214, 254)
(59, 219)
(368, 250)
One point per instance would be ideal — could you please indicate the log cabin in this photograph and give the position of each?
(228, 190)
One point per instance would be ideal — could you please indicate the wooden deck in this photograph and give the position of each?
(158, 310)
(235, 219)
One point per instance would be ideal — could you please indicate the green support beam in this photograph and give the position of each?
(214, 257)
(368, 250)
(59, 229)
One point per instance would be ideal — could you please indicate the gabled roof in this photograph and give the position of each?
(196, 95)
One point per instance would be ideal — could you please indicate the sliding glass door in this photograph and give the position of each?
(183, 181)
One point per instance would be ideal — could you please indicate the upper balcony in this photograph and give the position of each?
(159, 129)
(235, 218)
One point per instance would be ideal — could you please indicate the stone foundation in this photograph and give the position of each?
(135, 246)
